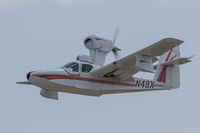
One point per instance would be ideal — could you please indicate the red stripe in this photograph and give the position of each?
(163, 78)
(98, 39)
(173, 57)
(168, 55)
(159, 77)
(165, 73)
(87, 79)
(92, 80)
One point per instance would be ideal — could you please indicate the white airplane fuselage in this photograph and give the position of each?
(89, 76)
(60, 80)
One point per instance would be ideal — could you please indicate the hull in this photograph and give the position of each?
(92, 87)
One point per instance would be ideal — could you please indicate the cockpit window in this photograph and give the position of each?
(72, 67)
(86, 68)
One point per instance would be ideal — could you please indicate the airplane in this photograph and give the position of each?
(89, 76)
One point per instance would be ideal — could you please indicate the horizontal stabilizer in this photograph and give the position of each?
(179, 61)
(24, 82)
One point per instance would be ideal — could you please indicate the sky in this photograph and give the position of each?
(45, 34)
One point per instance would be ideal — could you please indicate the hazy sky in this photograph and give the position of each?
(45, 34)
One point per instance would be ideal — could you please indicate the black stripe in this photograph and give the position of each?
(164, 69)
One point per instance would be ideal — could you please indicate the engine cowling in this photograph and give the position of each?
(97, 43)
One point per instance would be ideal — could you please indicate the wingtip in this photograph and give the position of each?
(175, 40)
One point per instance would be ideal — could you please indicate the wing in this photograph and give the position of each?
(141, 60)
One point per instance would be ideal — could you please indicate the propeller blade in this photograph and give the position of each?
(115, 49)
(116, 34)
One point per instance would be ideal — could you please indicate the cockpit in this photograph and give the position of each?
(77, 67)
(73, 67)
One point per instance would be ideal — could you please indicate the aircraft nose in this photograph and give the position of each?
(28, 75)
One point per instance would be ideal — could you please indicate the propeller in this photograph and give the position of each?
(115, 49)
(116, 34)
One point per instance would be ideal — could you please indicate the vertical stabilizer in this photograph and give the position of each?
(169, 74)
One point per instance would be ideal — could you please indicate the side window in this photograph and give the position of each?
(72, 67)
(86, 68)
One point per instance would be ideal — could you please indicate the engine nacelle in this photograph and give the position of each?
(97, 43)
(84, 58)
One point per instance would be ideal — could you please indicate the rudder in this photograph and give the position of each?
(169, 74)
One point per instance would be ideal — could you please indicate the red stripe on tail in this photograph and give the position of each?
(162, 75)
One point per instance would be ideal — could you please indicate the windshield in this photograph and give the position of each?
(74, 67)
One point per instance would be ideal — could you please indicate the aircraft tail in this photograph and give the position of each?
(168, 70)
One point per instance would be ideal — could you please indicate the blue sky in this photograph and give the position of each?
(44, 34)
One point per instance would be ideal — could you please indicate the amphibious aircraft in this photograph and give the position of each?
(89, 76)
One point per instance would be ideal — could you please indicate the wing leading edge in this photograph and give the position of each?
(124, 68)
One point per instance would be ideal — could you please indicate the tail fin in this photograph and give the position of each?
(167, 71)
